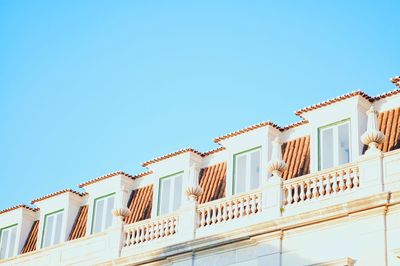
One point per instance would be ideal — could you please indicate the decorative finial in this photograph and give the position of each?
(194, 192)
(372, 137)
(276, 165)
(396, 80)
(121, 213)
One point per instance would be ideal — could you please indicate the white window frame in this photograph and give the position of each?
(335, 137)
(248, 169)
(53, 233)
(104, 215)
(8, 246)
(171, 194)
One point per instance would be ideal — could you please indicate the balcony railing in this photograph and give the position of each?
(224, 210)
(149, 230)
(321, 185)
(276, 199)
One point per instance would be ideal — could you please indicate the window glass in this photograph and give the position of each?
(165, 190)
(178, 189)
(4, 243)
(7, 241)
(241, 173)
(334, 142)
(98, 216)
(13, 236)
(344, 143)
(255, 169)
(247, 170)
(52, 229)
(327, 148)
(170, 198)
(103, 208)
(57, 230)
(48, 231)
(110, 207)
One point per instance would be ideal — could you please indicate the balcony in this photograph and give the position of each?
(272, 207)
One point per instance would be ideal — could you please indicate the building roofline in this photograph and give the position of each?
(109, 175)
(17, 207)
(81, 194)
(246, 129)
(172, 154)
(334, 100)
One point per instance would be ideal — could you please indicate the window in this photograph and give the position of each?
(246, 175)
(170, 193)
(102, 214)
(8, 236)
(334, 144)
(52, 228)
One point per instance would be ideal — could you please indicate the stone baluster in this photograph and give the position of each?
(302, 192)
(328, 189)
(335, 186)
(296, 193)
(290, 195)
(308, 192)
(349, 183)
(315, 188)
(225, 212)
(356, 181)
(342, 186)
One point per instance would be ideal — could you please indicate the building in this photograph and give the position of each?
(322, 191)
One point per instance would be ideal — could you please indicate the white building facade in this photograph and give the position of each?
(322, 191)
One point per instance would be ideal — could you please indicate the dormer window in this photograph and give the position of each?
(334, 144)
(52, 228)
(102, 214)
(170, 193)
(7, 241)
(246, 175)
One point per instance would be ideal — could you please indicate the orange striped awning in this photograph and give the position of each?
(140, 204)
(31, 241)
(79, 227)
(212, 180)
(389, 124)
(296, 153)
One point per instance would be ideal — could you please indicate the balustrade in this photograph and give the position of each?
(321, 184)
(149, 230)
(229, 209)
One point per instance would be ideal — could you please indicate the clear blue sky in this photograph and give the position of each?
(87, 88)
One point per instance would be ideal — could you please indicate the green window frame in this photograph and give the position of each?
(174, 198)
(336, 142)
(248, 178)
(8, 244)
(53, 239)
(105, 218)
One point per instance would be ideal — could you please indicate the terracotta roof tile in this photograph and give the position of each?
(101, 178)
(17, 207)
(334, 100)
(172, 154)
(207, 153)
(140, 204)
(212, 180)
(386, 94)
(396, 80)
(31, 241)
(247, 129)
(389, 124)
(79, 227)
(296, 153)
(296, 124)
(58, 193)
